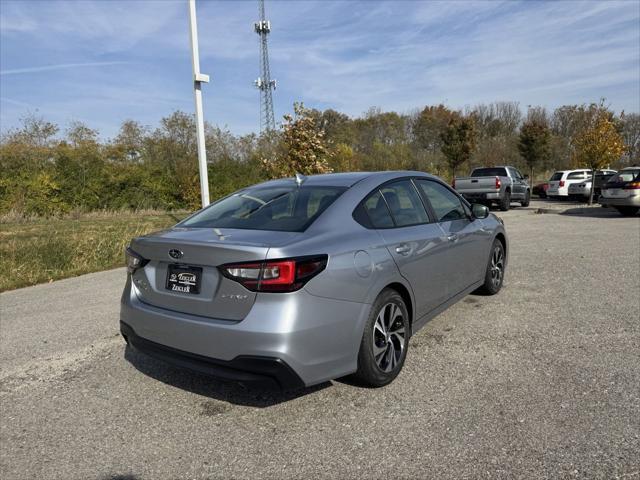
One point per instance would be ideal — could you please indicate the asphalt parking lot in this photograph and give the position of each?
(540, 381)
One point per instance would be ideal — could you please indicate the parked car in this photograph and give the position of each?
(582, 190)
(298, 281)
(561, 180)
(541, 189)
(622, 191)
(499, 185)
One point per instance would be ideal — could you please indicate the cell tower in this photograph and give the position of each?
(264, 82)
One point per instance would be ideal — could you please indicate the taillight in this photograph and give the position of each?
(632, 186)
(133, 260)
(498, 183)
(453, 183)
(561, 184)
(287, 275)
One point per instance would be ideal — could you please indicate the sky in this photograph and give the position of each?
(102, 62)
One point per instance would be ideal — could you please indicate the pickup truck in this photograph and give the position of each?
(500, 185)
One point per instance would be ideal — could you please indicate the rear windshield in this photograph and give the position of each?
(625, 176)
(285, 209)
(556, 176)
(489, 172)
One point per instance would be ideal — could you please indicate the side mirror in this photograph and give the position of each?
(479, 211)
(526, 177)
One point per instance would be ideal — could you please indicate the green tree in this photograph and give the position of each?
(534, 144)
(459, 141)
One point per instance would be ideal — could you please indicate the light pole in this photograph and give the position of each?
(198, 80)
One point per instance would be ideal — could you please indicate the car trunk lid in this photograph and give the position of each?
(199, 251)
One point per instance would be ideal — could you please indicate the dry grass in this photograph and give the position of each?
(37, 250)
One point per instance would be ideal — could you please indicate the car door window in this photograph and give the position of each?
(446, 204)
(404, 203)
(377, 211)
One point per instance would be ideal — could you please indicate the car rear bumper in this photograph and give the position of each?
(264, 371)
(481, 196)
(633, 201)
(317, 338)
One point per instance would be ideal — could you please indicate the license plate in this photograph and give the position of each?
(183, 279)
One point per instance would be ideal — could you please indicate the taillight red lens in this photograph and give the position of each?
(287, 275)
(561, 184)
(632, 186)
(498, 183)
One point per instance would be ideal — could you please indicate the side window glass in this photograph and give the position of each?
(377, 210)
(405, 203)
(446, 204)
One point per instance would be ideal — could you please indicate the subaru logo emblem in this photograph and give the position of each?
(175, 253)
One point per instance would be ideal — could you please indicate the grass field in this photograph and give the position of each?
(41, 250)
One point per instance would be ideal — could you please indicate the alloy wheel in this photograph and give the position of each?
(388, 337)
(497, 266)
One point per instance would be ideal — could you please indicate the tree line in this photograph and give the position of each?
(47, 170)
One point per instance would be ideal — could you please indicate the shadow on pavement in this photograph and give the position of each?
(594, 212)
(235, 393)
(126, 476)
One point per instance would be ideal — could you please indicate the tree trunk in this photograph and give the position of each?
(593, 186)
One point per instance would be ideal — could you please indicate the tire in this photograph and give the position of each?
(542, 195)
(379, 361)
(505, 201)
(494, 275)
(527, 199)
(627, 211)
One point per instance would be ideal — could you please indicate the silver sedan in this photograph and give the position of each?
(298, 281)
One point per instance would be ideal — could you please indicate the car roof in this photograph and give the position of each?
(345, 179)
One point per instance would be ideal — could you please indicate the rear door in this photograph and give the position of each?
(418, 247)
(468, 241)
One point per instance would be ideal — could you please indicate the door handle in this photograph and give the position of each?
(452, 238)
(403, 249)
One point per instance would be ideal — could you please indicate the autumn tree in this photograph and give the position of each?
(599, 144)
(305, 149)
(459, 141)
(631, 135)
(534, 144)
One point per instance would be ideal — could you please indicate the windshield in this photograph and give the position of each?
(625, 176)
(489, 172)
(286, 209)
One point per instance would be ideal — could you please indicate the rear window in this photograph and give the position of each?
(625, 176)
(489, 172)
(577, 176)
(556, 176)
(285, 209)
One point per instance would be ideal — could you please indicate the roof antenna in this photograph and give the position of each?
(299, 179)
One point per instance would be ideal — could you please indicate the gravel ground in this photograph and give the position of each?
(540, 381)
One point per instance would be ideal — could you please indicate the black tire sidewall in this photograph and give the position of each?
(505, 203)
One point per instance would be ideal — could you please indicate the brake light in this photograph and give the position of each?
(498, 183)
(561, 184)
(287, 275)
(632, 186)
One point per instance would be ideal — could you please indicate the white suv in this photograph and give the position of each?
(560, 181)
